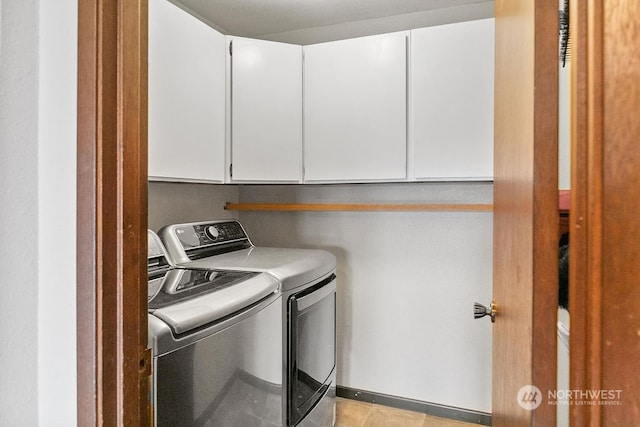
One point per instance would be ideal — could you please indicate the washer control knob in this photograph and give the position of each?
(212, 232)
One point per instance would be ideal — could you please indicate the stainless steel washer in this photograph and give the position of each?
(217, 345)
(308, 288)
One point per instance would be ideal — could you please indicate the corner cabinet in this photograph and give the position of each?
(355, 109)
(266, 111)
(186, 97)
(451, 101)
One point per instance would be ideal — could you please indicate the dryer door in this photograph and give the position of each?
(312, 349)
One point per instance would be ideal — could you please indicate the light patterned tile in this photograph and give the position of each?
(444, 422)
(351, 413)
(381, 416)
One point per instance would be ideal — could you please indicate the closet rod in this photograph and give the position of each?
(358, 207)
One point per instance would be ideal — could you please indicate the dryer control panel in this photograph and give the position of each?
(188, 242)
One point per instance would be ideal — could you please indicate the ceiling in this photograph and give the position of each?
(311, 21)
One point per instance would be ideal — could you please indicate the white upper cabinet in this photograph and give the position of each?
(405, 106)
(451, 101)
(186, 96)
(355, 109)
(266, 111)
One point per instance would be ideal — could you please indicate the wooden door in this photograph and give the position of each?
(525, 211)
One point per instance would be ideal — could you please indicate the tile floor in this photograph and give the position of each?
(352, 413)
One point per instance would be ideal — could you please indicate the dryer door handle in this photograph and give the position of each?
(316, 296)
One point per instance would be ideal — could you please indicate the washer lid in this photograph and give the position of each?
(189, 298)
(292, 267)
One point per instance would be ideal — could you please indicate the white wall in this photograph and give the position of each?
(37, 212)
(406, 284)
(19, 212)
(564, 129)
(57, 212)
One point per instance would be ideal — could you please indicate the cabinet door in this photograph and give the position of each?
(452, 100)
(266, 94)
(186, 96)
(355, 109)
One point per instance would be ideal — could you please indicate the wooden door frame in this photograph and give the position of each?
(605, 226)
(112, 355)
(586, 243)
(113, 359)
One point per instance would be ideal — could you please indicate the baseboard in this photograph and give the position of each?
(434, 409)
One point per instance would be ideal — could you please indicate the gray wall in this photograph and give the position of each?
(406, 280)
(172, 202)
(406, 284)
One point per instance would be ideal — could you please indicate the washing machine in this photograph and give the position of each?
(307, 279)
(217, 345)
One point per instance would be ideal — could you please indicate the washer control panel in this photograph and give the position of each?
(186, 242)
(198, 235)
